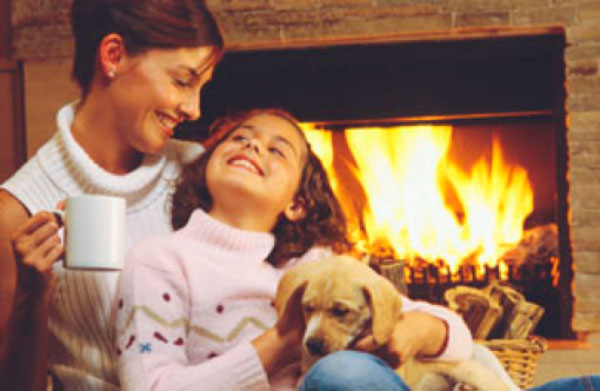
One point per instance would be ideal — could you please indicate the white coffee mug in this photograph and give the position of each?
(94, 232)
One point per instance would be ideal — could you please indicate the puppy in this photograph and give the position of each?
(341, 300)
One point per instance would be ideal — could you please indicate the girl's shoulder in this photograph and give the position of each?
(153, 262)
(167, 249)
(156, 250)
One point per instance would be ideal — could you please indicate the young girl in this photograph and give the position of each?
(195, 309)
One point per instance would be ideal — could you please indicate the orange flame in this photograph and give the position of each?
(407, 179)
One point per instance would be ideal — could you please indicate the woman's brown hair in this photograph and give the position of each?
(143, 24)
(324, 223)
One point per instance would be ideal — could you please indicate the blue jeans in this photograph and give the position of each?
(352, 371)
(583, 383)
(357, 371)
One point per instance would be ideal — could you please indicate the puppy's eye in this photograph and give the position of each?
(339, 311)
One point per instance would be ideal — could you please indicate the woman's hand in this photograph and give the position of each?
(28, 248)
(37, 244)
(415, 334)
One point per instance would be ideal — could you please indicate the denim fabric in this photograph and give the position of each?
(358, 371)
(583, 383)
(352, 371)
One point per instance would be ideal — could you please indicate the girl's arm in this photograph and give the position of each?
(450, 338)
(152, 327)
(425, 330)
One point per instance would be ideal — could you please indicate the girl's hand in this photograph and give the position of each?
(415, 334)
(276, 350)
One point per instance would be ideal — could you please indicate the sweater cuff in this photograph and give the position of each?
(458, 343)
(247, 367)
(444, 343)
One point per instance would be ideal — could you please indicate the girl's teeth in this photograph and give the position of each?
(246, 164)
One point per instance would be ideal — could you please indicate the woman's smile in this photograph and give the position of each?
(167, 124)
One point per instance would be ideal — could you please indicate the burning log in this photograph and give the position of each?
(538, 245)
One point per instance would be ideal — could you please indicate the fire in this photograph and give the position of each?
(418, 204)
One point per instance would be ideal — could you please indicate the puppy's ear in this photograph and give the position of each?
(288, 299)
(386, 305)
(290, 312)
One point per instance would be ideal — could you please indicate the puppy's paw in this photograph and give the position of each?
(431, 381)
(463, 387)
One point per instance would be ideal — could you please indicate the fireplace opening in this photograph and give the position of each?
(481, 121)
(461, 202)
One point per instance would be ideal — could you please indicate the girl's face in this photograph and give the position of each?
(260, 165)
(156, 90)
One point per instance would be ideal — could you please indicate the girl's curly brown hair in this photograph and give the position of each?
(324, 223)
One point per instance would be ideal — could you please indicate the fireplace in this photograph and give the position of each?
(498, 104)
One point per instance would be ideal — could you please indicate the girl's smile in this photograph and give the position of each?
(246, 163)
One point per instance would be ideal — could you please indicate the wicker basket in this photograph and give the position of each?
(518, 356)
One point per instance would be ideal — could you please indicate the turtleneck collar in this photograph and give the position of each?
(75, 172)
(227, 239)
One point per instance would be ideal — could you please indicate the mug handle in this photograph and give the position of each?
(60, 215)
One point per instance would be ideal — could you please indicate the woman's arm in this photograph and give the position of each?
(25, 291)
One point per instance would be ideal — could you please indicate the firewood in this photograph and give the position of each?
(394, 271)
(523, 320)
(479, 311)
(519, 317)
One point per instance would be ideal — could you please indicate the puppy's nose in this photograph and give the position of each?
(316, 346)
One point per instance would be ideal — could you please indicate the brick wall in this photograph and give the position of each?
(41, 31)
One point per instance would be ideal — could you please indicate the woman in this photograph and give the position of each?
(140, 65)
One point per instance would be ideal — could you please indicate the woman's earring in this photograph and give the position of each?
(110, 74)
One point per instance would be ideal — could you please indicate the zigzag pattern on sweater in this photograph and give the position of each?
(184, 322)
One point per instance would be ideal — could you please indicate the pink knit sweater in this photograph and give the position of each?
(190, 303)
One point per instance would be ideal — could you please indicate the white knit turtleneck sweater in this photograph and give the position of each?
(81, 341)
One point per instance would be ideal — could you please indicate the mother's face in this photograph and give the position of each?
(154, 91)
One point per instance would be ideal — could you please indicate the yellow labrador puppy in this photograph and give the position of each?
(342, 299)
